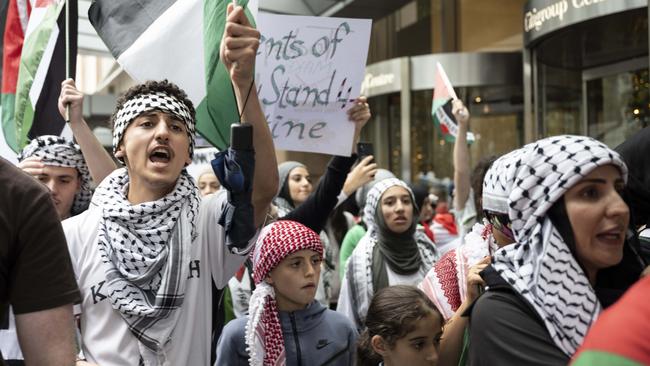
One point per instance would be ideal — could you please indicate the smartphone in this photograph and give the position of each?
(364, 149)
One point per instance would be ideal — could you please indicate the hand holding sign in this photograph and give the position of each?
(360, 115)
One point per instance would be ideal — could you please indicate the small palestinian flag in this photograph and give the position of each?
(443, 95)
(33, 67)
(176, 40)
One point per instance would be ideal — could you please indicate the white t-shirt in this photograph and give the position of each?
(397, 279)
(9, 339)
(106, 338)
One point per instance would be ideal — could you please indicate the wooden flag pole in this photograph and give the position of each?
(67, 53)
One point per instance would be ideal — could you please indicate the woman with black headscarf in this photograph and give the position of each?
(391, 252)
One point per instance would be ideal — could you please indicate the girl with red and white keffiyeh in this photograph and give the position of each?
(285, 325)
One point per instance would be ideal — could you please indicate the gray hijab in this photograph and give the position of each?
(283, 199)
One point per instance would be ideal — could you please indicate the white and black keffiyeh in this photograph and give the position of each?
(57, 151)
(540, 266)
(147, 250)
(148, 102)
(358, 272)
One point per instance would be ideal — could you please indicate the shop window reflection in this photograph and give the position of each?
(618, 106)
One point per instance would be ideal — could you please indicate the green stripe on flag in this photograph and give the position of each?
(602, 358)
(30, 59)
(8, 102)
(218, 109)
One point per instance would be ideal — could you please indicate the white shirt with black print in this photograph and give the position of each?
(106, 338)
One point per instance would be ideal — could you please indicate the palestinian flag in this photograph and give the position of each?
(443, 95)
(5, 151)
(619, 337)
(33, 68)
(176, 40)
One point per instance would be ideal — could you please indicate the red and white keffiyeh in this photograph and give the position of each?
(264, 340)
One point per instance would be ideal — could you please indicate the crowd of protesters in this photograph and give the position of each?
(538, 260)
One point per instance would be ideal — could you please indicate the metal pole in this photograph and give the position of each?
(67, 53)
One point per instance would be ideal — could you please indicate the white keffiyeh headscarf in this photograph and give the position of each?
(358, 272)
(57, 151)
(540, 266)
(147, 250)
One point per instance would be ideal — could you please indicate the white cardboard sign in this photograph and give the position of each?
(308, 72)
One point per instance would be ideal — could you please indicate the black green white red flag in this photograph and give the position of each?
(443, 95)
(33, 67)
(176, 40)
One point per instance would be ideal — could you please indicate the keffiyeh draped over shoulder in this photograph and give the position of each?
(57, 151)
(540, 266)
(146, 248)
(446, 282)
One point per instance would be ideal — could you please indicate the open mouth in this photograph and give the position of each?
(613, 237)
(160, 155)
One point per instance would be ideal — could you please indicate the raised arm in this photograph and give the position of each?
(100, 164)
(238, 49)
(315, 211)
(461, 156)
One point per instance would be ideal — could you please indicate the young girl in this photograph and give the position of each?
(403, 327)
(285, 325)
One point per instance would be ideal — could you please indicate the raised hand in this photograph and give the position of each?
(239, 47)
(461, 113)
(359, 113)
(32, 165)
(71, 96)
(363, 173)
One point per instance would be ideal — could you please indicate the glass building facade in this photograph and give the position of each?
(536, 73)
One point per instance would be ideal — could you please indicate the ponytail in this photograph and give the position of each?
(366, 355)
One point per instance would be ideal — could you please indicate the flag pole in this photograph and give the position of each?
(67, 53)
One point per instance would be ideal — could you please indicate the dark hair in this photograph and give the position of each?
(392, 314)
(611, 282)
(153, 86)
(476, 182)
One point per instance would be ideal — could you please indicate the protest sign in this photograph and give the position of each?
(308, 72)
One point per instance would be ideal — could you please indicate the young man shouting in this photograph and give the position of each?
(148, 250)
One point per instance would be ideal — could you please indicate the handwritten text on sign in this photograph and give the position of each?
(308, 72)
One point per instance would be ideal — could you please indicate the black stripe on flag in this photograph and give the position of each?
(47, 119)
(120, 23)
(4, 4)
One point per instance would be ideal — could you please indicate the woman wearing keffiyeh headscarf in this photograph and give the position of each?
(391, 252)
(569, 223)
(285, 325)
(454, 283)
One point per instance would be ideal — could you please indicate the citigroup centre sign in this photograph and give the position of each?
(545, 16)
